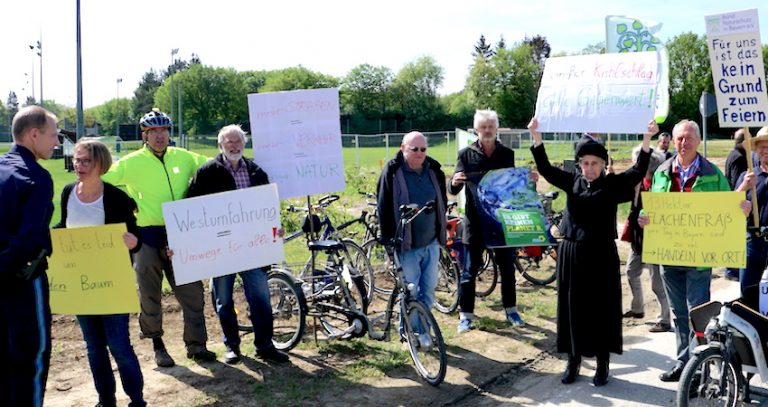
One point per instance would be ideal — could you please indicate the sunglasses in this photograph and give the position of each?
(415, 149)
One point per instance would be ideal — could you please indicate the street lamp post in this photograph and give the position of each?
(79, 108)
(39, 46)
(174, 51)
(117, 108)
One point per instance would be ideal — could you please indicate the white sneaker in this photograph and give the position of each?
(464, 325)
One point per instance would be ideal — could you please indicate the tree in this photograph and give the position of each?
(596, 48)
(415, 91)
(481, 84)
(5, 120)
(30, 101)
(501, 44)
(689, 75)
(297, 78)
(212, 97)
(13, 103)
(459, 108)
(507, 83)
(365, 90)
(144, 95)
(540, 49)
(482, 49)
(254, 80)
(109, 113)
(516, 85)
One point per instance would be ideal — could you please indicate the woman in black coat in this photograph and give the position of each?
(588, 278)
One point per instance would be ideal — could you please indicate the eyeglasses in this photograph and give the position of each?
(415, 149)
(85, 162)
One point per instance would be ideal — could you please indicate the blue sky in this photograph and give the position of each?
(125, 39)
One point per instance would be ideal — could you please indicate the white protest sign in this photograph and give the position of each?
(297, 140)
(605, 93)
(736, 55)
(224, 233)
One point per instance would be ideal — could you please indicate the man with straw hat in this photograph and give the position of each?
(755, 181)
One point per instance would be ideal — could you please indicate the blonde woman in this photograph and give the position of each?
(91, 202)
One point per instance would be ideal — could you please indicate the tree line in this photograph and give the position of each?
(375, 99)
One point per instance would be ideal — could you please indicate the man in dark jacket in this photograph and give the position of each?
(473, 162)
(227, 172)
(26, 193)
(412, 177)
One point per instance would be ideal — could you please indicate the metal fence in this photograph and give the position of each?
(374, 149)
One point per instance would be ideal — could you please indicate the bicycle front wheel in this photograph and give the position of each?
(379, 260)
(538, 268)
(289, 310)
(425, 343)
(707, 381)
(447, 290)
(359, 260)
(487, 276)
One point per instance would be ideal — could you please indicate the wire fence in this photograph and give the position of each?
(367, 150)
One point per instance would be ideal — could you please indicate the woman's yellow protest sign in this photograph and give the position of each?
(90, 272)
(697, 229)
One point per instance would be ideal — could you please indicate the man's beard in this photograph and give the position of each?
(233, 157)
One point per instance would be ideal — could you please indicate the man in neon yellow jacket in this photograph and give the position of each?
(153, 175)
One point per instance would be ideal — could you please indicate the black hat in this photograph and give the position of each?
(592, 148)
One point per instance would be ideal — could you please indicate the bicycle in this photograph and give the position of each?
(316, 229)
(449, 271)
(538, 264)
(288, 313)
(420, 329)
(336, 303)
(333, 293)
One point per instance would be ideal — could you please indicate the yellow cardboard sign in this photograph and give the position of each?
(90, 272)
(698, 229)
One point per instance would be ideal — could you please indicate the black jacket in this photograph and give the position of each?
(735, 164)
(213, 177)
(591, 206)
(474, 163)
(118, 208)
(390, 198)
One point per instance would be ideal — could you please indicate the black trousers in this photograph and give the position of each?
(25, 341)
(473, 261)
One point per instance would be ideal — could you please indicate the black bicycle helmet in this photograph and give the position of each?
(155, 118)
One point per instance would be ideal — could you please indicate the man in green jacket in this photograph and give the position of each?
(153, 175)
(686, 287)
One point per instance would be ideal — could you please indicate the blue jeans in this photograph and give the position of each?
(686, 288)
(757, 256)
(111, 331)
(257, 294)
(420, 269)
